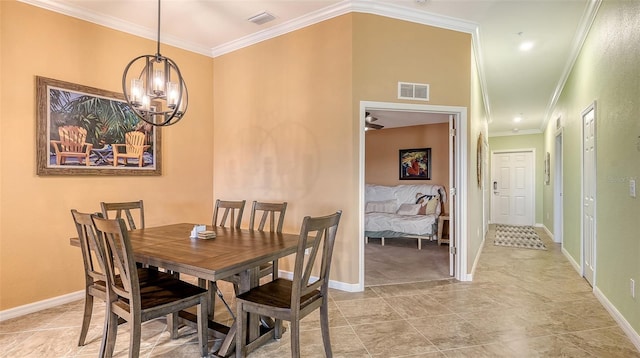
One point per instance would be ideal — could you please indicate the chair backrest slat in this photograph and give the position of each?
(119, 261)
(318, 234)
(125, 208)
(230, 208)
(94, 271)
(269, 211)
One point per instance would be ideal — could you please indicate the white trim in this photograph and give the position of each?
(588, 17)
(40, 305)
(512, 133)
(460, 221)
(576, 266)
(476, 260)
(634, 337)
(119, 25)
(338, 285)
(546, 231)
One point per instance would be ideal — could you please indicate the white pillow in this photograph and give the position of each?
(408, 209)
(387, 206)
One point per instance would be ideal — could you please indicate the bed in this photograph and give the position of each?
(403, 211)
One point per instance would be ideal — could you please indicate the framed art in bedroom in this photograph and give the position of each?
(415, 164)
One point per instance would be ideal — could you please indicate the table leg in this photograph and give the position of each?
(248, 280)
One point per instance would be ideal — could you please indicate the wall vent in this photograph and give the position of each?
(261, 18)
(417, 91)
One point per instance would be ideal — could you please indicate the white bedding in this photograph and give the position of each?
(420, 225)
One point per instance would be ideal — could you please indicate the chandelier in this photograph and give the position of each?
(158, 95)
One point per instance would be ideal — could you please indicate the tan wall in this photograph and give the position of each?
(381, 154)
(299, 140)
(36, 261)
(283, 129)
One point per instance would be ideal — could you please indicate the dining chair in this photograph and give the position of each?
(292, 300)
(230, 209)
(126, 208)
(128, 298)
(94, 270)
(269, 211)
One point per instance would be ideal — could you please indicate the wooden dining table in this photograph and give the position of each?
(232, 251)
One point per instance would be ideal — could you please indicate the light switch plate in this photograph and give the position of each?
(632, 188)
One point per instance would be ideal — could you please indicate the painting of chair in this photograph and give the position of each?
(72, 144)
(133, 148)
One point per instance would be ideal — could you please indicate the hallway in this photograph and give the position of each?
(522, 303)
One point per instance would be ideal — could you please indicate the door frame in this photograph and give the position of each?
(533, 179)
(459, 182)
(558, 188)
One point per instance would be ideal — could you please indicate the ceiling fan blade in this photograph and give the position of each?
(373, 126)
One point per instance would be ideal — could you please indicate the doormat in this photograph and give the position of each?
(524, 237)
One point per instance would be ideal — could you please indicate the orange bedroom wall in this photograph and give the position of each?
(382, 156)
(36, 260)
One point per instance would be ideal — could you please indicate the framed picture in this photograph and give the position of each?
(88, 131)
(415, 164)
(547, 169)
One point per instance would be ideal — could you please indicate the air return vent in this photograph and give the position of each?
(261, 18)
(417, 91)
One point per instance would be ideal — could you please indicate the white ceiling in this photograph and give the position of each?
(515, 83)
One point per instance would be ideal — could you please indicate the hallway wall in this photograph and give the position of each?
(606, 71)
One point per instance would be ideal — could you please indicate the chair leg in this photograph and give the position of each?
(86, 319)
(111, 335)
(105, 335)
(135, 327)
(172, 325)
(295, 337)
(278, 329)
(241, 331)
(324, 325)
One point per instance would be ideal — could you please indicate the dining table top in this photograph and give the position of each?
(232, 251)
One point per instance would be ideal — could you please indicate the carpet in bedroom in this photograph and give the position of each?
(400, 261)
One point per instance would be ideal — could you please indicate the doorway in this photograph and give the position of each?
(512, 184)
(558, 215)
(456, 184)
(589, 193)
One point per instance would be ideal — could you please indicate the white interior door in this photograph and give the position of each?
(452, 209)
(557, 192)
(589, 193)
(512, 181)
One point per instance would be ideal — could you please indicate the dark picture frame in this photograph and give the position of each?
(97, 123)
(415, 164)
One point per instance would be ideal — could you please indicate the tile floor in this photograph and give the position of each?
(522, 303)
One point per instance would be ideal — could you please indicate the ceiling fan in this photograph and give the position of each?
(368, 122)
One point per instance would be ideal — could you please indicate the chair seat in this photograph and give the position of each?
(158, 288)
(277, 293)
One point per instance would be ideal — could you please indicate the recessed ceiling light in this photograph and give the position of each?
(517, 119)
(526, 46)
(515, 130)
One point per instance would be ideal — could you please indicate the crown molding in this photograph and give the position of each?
(588, 17)
(345, 7)
(118, 24)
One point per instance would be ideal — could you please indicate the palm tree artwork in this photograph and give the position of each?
(105, 120)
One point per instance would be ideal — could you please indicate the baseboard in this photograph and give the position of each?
(338, 285)
(573, 263)
(469, 276)
(546, 231)
(618, 317)
(40, 305)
